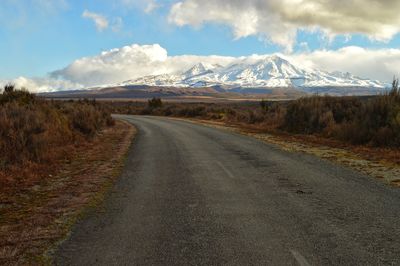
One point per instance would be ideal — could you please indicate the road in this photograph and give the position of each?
(195, 195)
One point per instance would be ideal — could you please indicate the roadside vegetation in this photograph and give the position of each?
(57, 158)
(375, 121)
(372, 121)
(33, 130)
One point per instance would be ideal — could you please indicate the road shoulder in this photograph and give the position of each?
(357, 159)
(39, 217)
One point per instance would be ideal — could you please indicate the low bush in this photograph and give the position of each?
(31, 128)
(154, 103)
(374, 121)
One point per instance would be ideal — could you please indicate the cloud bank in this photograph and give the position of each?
(381, 64)
(278, 21)
(130, 62)
(134, 61)
(46, 84)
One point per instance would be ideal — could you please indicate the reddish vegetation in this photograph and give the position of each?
(33, 130)
(36, 212)
(55, 157)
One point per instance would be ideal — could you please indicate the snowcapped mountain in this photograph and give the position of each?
(197, 70)
(268, 72)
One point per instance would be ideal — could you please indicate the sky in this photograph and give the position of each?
(66, 44)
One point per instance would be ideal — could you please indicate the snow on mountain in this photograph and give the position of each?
(158, 80)
(268, 72)
(196, 70)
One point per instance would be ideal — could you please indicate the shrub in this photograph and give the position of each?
(31, 127)
(84, 118)
(155, 103)
(374, 121)
(264, 105)
(11, 94)
(21, 134)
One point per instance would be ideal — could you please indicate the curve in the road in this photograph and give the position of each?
(195, 195)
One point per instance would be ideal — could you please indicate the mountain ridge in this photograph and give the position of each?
(268, 72)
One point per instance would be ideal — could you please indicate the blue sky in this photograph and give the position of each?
(41, 36)
(51, 40)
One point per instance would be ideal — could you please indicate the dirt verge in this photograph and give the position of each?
(36, 215)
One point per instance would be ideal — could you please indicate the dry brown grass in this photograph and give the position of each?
(55, 157)
(37, 212)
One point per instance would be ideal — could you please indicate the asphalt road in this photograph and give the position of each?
(194, 195)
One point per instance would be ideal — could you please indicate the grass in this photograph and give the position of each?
(43, 214)
(56, 159)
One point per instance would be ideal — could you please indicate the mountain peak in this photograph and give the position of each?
(197, 69)
(276, 59)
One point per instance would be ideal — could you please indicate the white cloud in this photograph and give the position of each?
(279, 20)
(42, 84)
(129, 62)
(102, 22)
(99, 20)
(379, 64)
(136, 61)
(151, 6)
(115, 65)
